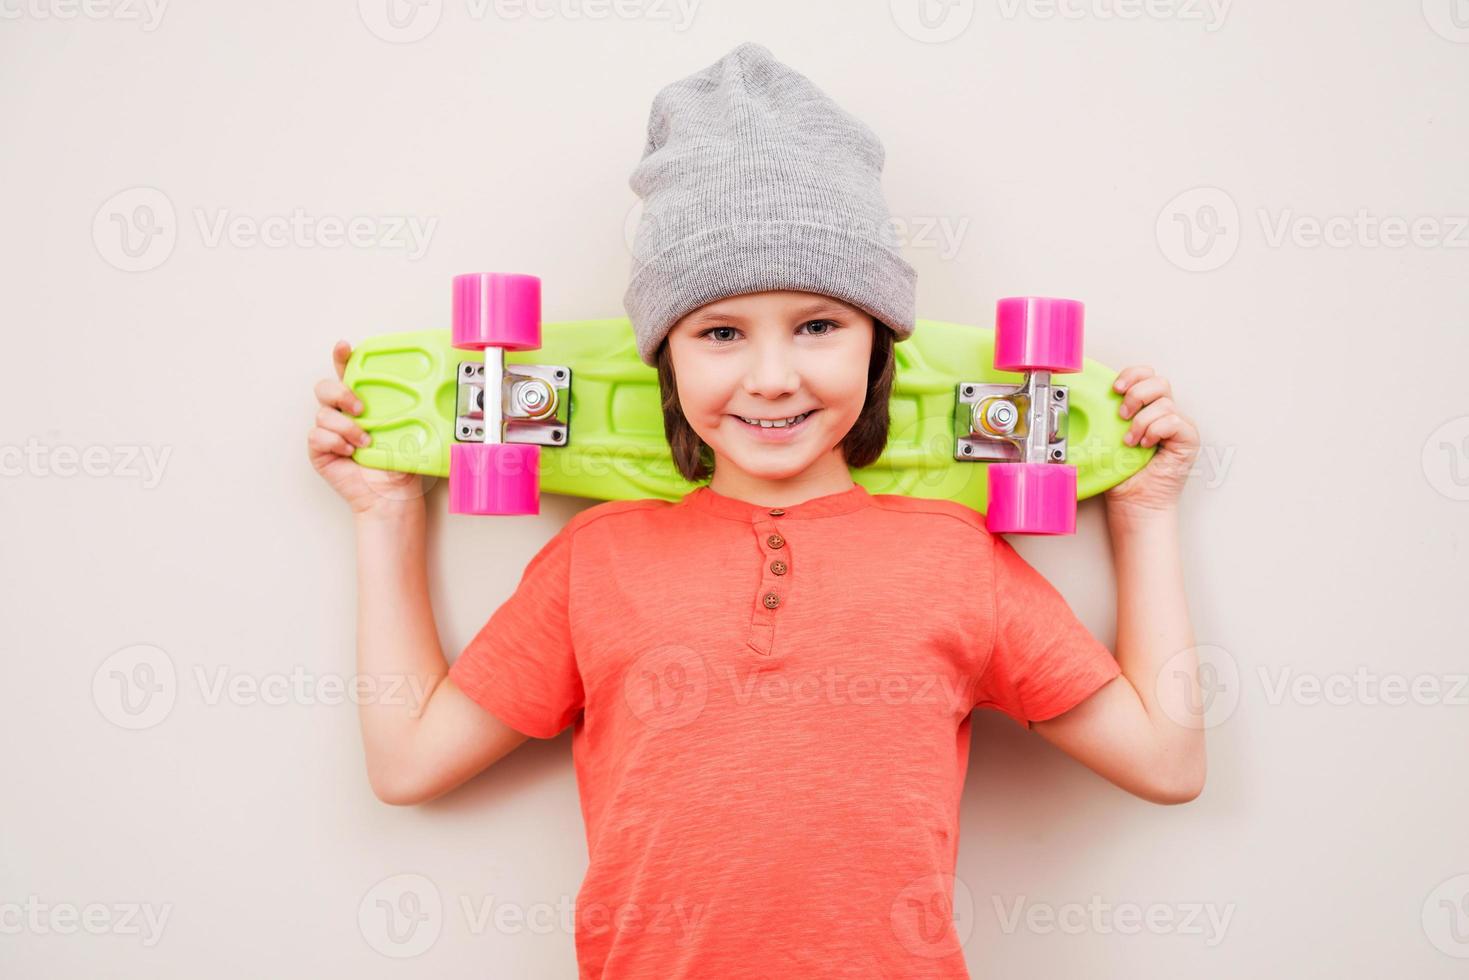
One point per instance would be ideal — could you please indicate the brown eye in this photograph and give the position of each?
(830, 324)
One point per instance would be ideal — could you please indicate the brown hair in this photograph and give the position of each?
(861, 446)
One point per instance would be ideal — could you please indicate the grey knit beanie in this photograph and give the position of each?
(753, 179)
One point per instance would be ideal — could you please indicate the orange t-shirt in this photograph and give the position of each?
(771, 721)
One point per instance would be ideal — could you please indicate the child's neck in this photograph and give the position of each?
(820, 479)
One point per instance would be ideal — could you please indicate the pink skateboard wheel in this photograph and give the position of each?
(497, 309)
(494, 478)
(1031, 498)
(1035, 333)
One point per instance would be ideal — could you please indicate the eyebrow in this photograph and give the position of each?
(815, 308)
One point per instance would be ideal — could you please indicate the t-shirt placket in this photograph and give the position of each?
(774, 588)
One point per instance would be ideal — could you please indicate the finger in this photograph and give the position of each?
(340, 352)
(334, 394)
(1166, 428)
(322, 442)
(1129, 376)
(334, 421)
(1143, 392)
(1149, 414)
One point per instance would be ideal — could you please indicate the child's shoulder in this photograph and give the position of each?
(615, 508)
(941, 516)
(950, 514)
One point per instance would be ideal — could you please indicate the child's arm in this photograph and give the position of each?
(1142, 730)
(422, 735)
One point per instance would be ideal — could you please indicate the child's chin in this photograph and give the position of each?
(763, 466)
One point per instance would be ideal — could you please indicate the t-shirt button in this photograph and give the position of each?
(775, 541)
(778, 567)
(771, 600)
(777, 512)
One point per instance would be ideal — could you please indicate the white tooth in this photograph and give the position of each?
(778, 424)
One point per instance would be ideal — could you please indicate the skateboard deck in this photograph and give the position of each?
(615, 446)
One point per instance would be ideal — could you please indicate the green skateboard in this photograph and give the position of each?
(579, 412)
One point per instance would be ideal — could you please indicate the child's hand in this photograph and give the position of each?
(335, 437)
(1148, 401)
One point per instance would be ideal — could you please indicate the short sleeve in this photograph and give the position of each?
(521, 667)
(1044, 661)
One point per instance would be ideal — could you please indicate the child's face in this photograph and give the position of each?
(772, 355)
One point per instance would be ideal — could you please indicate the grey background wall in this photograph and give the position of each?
(1264, 201)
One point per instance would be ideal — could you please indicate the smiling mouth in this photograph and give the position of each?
(785, 423)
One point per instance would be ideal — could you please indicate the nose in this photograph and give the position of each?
(772, 372)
